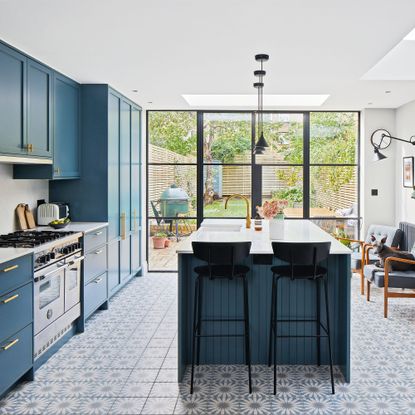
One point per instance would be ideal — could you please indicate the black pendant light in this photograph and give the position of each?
(261, 144)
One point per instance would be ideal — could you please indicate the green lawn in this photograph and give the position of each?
(236, 207)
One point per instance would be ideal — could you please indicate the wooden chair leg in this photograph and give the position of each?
(362, 282)
(385, 303)
(367, 290)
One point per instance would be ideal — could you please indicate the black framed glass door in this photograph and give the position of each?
(312, 162)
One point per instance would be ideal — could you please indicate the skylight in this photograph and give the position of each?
(240, 100)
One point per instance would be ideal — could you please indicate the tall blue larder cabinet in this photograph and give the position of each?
(109, 187)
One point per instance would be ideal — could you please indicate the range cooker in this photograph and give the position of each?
(57, 281)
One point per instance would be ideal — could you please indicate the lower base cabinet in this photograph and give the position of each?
(95, 294)
(16, 357)
(16, 320)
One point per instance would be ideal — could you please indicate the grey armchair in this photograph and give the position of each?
(362, 256)
(387, 278)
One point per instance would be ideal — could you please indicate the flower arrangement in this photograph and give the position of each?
(272, 208)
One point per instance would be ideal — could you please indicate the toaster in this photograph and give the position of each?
(47, 212)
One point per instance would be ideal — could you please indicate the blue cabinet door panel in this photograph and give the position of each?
(16, 356)
(125, 188)
(135, 189)
(12, 101)
(113, 266)
(39, 108)
(113, 166)
(66, 127)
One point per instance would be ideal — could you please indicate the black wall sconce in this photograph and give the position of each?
(381, 139)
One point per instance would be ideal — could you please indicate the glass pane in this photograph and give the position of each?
(333, 191)
(50, 291)
(333, 137)
(172, 137)
(171, 191)
(338, 227)
(222, 181)
(284, 135)
(284, 183)
(163, 241)
(227, 138)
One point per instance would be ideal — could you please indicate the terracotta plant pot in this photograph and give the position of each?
(158, 242)
(167, 243)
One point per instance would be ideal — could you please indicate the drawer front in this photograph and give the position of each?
(95, 293)
(16, 356)
(95, 263)
(16, 310)
(95, 239)
(15, 273)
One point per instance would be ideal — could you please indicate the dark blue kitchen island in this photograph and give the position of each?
(296, 299)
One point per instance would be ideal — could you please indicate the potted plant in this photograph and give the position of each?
(159, 239)
(273, 211)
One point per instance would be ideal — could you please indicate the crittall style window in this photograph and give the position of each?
(196, 159)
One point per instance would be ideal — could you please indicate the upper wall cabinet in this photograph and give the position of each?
(53, 122)
(12, 102)
(67, 128)
(39, 109)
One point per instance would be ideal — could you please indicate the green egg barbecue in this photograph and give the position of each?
(173, 201)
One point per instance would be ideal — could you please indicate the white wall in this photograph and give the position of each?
(377, 174)
(13, 192)
(405, 128)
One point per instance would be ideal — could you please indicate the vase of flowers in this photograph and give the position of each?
(273, 211)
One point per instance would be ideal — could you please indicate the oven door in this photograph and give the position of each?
(73, 281)
(49, 295)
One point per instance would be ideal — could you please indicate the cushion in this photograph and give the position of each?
(393, 235)
(356, 259)
(222, 271)
(397, 279)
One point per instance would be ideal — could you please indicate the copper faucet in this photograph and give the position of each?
(248, 214)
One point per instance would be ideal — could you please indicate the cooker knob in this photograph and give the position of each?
(65, 250)
(41, 259)
(52, 255)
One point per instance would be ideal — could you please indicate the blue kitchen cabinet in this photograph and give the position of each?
(16, 321)
(12, 102)
(104, 193)
(135, 189)
(39, 109)
(125, 189)
(66, 163)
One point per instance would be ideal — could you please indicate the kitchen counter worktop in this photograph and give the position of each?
(84, 227)
(233, 230)
(8, 254)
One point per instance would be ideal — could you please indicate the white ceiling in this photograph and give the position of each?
(166, 48)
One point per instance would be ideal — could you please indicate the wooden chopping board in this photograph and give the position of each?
(29, 218)
(21, 216)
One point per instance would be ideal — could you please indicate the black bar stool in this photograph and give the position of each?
(303, 260)
(223, 260)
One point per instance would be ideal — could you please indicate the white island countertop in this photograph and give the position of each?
(233, 230)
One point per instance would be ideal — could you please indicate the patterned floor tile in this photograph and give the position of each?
(128, 406)
(159, 406)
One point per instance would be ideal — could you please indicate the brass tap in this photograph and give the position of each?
(248, 214)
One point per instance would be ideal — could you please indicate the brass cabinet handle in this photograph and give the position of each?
(57, 170)
(123, 225)
(13, 297)
(97, 280)
(11, 344)
(8, 269)
(29, 148)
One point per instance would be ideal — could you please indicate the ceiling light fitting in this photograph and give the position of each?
(381, 139)
(261, 144)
